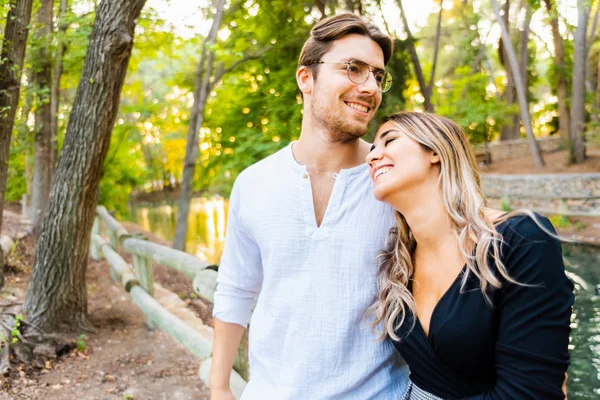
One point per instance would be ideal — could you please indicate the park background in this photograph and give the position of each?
(157, 126)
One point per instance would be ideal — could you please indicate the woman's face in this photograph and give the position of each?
(397, 162)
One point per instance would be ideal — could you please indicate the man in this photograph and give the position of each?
(304, 231)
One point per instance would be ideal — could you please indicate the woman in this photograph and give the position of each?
(476, 300)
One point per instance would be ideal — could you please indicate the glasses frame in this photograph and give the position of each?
(372, 69)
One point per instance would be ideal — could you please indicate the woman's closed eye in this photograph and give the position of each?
(389, 140)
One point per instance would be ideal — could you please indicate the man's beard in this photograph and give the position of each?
(340, 129)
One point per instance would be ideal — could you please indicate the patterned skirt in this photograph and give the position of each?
(413, 392)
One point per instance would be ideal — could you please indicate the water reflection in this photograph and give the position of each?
(206, 224)
(584, 372)
(206, 234)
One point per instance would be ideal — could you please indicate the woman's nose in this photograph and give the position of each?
(373, 155)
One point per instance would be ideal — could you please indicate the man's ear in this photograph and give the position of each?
(435, 158)
(304, 79)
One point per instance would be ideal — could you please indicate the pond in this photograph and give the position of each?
(206, 236)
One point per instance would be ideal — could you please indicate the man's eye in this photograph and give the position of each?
(353, 68)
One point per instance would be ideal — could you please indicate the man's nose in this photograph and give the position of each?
(370, 85)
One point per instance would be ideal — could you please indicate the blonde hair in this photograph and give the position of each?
(478, 240)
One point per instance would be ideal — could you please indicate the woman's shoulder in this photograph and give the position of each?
(531, 250)
(527, 227)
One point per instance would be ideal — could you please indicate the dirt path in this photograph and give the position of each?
(122, 358)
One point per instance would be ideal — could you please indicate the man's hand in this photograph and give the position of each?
(221, 394)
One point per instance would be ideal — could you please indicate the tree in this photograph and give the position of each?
(426, 90)
(577, 146)
(56, 76)
(197, 117)
(521, 90)
(57, 297)
(560, 73)
(12, 56)
(42, 80)
(205, 81)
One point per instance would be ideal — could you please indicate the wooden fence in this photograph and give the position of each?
(139, 282)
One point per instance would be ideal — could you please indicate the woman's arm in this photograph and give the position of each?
(534, 321)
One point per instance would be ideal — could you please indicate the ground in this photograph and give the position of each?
(124, 359)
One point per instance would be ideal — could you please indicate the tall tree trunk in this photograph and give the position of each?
(577, 147)
(523, 65)
(56, 76)
(42, 81)
(436, 47)
(201, 86)
(589, 41)
(560, 68)
(56, 296)
(509, 131)
(521, 90)
(594, 114)
(415, 61)
(12, 56)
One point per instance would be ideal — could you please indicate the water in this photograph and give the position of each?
(207, 232)
(206, 228)
(583, 267)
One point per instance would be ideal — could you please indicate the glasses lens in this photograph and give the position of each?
(386, 84)
(358, 72)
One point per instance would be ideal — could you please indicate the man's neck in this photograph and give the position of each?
(315, 150)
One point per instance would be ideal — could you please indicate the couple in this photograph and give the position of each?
(474, 301)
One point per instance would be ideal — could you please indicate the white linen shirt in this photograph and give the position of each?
(308, 336)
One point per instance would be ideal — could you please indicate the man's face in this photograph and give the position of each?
(341, 106)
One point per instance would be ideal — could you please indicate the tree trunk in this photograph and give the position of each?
(521, 90)
(42, 81)
(201, 86)
(415, 60)
(589, 84)
(510, 130)
(594, 114)
(56, 296)
(560, 68)
(523, 64)
(12, 56)
(577, 147)
(56, 76)
(436, 47)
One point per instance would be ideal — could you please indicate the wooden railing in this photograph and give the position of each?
(139, 282)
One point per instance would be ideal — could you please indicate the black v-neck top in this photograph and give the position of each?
(516, 350)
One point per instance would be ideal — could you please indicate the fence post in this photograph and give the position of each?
(113, 239)
(145, 275)
(95, 231)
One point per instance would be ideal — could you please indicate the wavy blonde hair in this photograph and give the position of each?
(478, 240)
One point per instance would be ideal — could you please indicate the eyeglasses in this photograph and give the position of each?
(358, 72)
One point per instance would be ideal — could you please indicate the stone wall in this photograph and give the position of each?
(519, 147)
(566, 193)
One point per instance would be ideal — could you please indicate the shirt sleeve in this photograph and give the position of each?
(534, 317)
(240, 271)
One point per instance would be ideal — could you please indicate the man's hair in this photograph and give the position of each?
(325, 32)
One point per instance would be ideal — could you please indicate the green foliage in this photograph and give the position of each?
(560, 221)
(16, 184)
(505, 204)
(82, 343)
(470, 101)
(15, 332)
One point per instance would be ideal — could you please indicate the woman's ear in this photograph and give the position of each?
(304, 79)
(435, 158)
